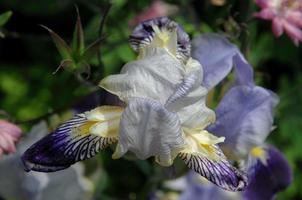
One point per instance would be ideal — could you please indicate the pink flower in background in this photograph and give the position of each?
(158, 8)
(286, 16)
(9, 134)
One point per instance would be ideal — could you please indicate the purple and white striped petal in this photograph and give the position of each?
(218, 171)
(144, 33)
(78, 139)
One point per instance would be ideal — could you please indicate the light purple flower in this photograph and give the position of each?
(244, 117)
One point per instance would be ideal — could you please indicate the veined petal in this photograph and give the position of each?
(149, 129)
(189, 99)
(162, 32)
(78, 139)
(155, 76)
(204, 157)
(269, 177)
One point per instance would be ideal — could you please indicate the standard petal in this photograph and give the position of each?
(217, 57)
(145, 33)
(209, 161)
(78, 139)
(267, 179)
(148, 129)
(189, 99)
(245, 118)
(155, 76)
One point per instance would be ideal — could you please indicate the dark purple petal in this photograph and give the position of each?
(218, 56)
(267, 180)
(220, 172)
(143, 34)
(244, 117)
(63, 147)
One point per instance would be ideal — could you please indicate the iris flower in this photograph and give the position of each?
(245, 126)
(163, 114)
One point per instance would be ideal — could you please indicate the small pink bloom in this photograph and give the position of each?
(286, 16)
(9, 135)
(158, 8)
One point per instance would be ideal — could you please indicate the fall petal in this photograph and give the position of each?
(266, 179)
(205, 158)
(77, 139)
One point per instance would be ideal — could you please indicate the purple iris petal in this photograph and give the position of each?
(244, 117)
(266, 180)
(197, 190)
(218, 56)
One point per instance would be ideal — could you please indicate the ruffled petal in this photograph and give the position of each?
(189, 99)
(245, 118)
(269, 177)
(156, 76)
(217, 57)
(204, 157)
(149, 129)
(78, 139)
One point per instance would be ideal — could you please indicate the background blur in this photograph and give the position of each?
(29, 91)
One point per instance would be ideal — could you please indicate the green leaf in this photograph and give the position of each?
(61, 45)
(4, 17)
(78, 45)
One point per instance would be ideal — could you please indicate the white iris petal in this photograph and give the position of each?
(155, 76)
(148, 129)
(190, 99)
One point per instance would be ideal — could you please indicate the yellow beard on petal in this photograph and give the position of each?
(202, 143)
(259, 152)
(102, 121)
(84, 129)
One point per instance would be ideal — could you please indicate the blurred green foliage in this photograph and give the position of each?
(28, 58)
